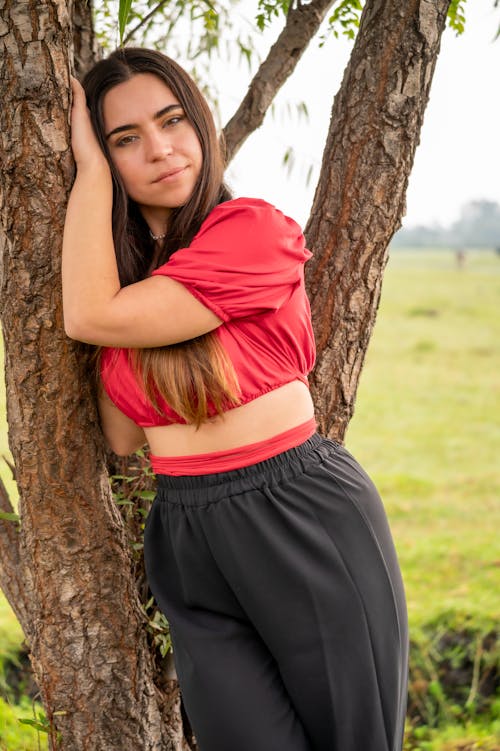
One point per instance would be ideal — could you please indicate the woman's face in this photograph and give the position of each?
(153, 146)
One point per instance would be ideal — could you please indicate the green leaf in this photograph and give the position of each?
(123, 14)
(165, 645)
(289, 159)
(302, 110)
(9, 517)
(34, 724)
(269, 9)
(147, 495)
(155, 624)
(456, 16)
(346, 15)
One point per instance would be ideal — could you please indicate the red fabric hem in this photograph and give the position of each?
(242, 456)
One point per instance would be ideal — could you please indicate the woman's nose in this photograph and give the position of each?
(159, 146)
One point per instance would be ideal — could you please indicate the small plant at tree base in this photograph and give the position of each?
(41, 723)
(158, 627)
(133, 489)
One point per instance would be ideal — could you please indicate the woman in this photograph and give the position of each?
(267, 546)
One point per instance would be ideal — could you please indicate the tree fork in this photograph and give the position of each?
(375, 128)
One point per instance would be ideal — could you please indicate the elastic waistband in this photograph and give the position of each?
(200, 490)
(242, 456)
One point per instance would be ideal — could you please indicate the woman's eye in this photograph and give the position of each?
(124, 141)
(173, 120)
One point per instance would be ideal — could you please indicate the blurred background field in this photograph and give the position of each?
(427, 429)
(427, 426)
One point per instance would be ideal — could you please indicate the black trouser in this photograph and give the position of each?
(283, 592)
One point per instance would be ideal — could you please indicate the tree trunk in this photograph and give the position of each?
(88, 646)
(15, 578)
(86, 50)
(375, 128)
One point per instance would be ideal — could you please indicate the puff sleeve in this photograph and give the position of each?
(246, 259)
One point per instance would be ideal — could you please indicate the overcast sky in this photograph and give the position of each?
(458, 158)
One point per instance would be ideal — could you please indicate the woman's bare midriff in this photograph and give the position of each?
(279, 410)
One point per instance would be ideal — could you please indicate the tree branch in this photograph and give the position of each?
(15, 581)
(301, 25)
(144, 20)
(375, 127)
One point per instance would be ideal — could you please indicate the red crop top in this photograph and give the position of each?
(246, 264)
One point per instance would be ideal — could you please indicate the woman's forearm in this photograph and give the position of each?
(89, 271)
(153, 312)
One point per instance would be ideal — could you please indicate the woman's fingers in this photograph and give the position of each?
(85, 147)
(78, 92)
(76, 85)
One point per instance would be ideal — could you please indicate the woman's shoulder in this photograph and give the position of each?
(245, 203)
(248, 215)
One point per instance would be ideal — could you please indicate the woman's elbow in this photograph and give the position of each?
(74, 326)
(122, 434)
(122, 447)
(71, 329)
(124, 440)
(81, 322)
(82, 330)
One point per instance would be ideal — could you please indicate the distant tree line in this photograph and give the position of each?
(478, 226)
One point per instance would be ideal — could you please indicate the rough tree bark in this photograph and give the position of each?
(374, 130)
(79, 606)
(15, 577)
(86, 50)
(88, 646)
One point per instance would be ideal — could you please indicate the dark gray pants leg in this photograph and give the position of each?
(287, 601)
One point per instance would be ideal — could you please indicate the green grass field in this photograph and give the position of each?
(427, 426)
(427, 429)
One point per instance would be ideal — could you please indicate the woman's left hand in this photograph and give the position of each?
(84, 144)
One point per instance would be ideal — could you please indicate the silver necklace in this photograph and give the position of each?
(157, 237)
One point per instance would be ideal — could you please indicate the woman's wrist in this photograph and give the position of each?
(96, 166)
(93, 182)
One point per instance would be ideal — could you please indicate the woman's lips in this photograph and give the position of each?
(171, 175)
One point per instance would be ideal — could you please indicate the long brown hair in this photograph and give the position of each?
(192, 375)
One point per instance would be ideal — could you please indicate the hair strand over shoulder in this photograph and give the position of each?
(195, 377)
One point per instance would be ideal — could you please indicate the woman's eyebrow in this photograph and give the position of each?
(157, 115)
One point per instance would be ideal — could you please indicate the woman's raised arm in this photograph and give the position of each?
(154, 312)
